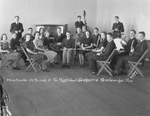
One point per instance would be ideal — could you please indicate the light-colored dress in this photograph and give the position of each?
(49, 53)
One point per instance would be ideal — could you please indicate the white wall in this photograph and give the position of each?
(33, 12)
(135, 14)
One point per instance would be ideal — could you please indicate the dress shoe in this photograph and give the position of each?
(67, 66)
(63, 66)
(94, 73)
(45, 70)
(16, 68)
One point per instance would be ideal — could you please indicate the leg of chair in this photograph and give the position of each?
(133, 68)
(107, 70)
(139, 71)
(102, 67)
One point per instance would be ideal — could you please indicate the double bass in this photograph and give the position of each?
(86, 26)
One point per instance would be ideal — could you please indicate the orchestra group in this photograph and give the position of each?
(83, 44)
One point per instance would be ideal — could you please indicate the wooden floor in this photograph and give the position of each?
(43, 96)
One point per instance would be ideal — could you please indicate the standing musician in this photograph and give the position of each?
(117, 28)
(17, 28)
(79, 23)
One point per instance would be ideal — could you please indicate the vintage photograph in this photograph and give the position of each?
(74, 57)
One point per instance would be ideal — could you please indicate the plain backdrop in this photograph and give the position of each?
(100, 13)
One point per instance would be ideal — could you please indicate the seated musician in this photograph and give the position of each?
(36, 54)
(128, 48)
(79, 23)
(133, 56)
(103, 55)
(41, 33)
(117, 28)
(68, 45)
(9, 54)
(101, 44)
(58, 38)
(95, 37)
(48, 42)
(84, 30)
(30, 31)
(86, 46)
(15, 46)
(39, 45)
(78, 37)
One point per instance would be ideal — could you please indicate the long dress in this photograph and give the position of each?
(49, 53)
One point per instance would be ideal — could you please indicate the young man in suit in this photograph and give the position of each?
(133, 56)
(117, 28)
(17, 28)
(104, 55)
(129, 47)
(79, 23)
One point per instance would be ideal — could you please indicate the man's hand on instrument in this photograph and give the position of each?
(59, 44)
(83, 48)
(19, 31)
(116, 29)
(98, 54)
(16, 32)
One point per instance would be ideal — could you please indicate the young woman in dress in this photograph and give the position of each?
(8, 54)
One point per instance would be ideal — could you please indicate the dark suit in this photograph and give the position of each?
(14, 45)
(16, 27)
(117, 55)
(120, 28)
(101, 43)
(109, 48)
(137, 53)
(79, 24)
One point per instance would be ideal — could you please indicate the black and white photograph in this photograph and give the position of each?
(74, 57)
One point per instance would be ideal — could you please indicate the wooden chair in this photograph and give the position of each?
(105, 64)
(134, 65)
(31, 61)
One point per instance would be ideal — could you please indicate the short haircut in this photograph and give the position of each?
(105, 33)
(3, 35)
(58, 28)
(16, 16)
(110, 34)
(96, 28)
(117, 17)
(41, 29)
(78, 16)
(133, 31)
(78, 27)
(30, 28)
(36, 33)
(68, 32)
(142, 32)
